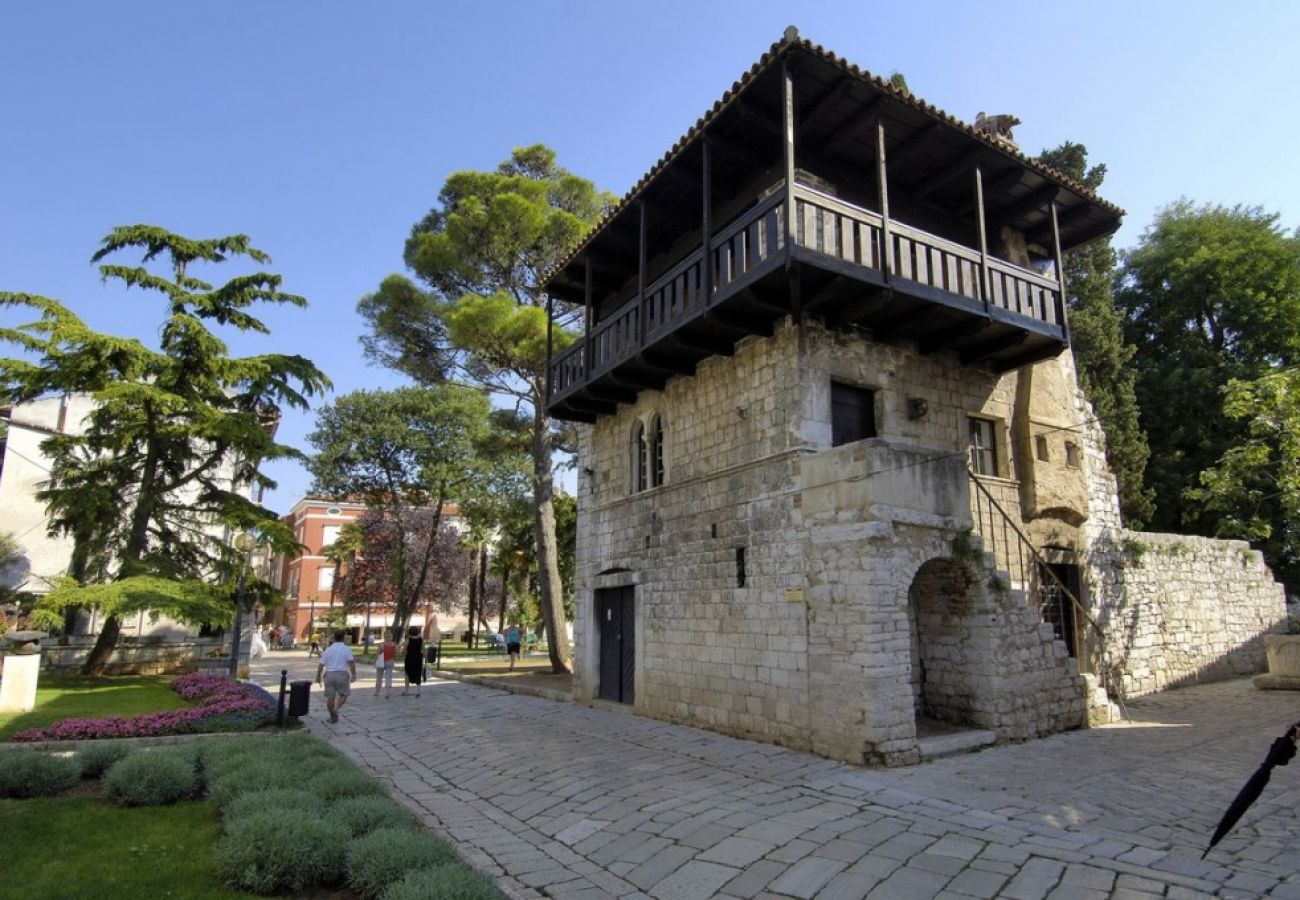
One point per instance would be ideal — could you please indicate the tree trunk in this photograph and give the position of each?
(505, 596)
(482, 585)
(102, 652)
(475, 555)
(548, 560)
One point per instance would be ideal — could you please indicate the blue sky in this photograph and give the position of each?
(325, 130)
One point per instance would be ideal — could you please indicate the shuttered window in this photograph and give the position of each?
(853, 414)
(983, 451)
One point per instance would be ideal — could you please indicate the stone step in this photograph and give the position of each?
(940, 745)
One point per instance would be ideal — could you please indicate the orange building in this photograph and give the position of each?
(308, 579)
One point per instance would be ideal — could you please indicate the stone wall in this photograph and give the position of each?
(809, 642)
(130, 657)
(1178, 609)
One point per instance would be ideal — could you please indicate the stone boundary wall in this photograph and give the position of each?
(130, 657)
(1180, 609)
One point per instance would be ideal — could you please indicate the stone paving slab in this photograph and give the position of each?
(558, 799)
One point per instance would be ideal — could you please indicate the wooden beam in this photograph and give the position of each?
(984, 240)
(988, 348)
(588, 313)
(836, 92)
(706, 224)
(1069, 217)
(867, 116)
(652, 360)
(893, 327)
(787, 144)
(744, 106)
(612, 393)
(1039, 198)
(998, 182)
(882, 187)
(735, 148)
(640, 278)
(927, 185)
(1060, 270)
(550, 327)
(832, 288)
(912, 144)
(713, 346)
(944, 337)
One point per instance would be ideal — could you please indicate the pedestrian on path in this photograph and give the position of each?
(315, 644)
(339, 670)
(385, 662)
(512, 643)
(413, 660)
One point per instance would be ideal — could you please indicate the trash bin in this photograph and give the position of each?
(299, 697)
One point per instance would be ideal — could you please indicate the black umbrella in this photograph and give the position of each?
(1281, 753)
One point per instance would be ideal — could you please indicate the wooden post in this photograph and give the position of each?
(640, 281)
(787, 131)
(984, 241)
(1060, 273)
(588, 314)
(886, 239)
(550, 373)
(706, 264)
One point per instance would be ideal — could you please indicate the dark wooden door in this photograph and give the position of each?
(615, 612)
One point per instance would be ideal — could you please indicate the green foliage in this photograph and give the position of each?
(383, 856)
(304, 801)
(480, 255)
(343, 779)
(1254, 487)
(154, 778)
(1103, 357)
(964, 549)
(1134, 549)
(1210, 294)
(78, 847)
(31, 773)
(366, 813)
(174, 431)
(272, 851)
(195, 602)
(97, 756)
(236, 776)
(400, 450)
(447, 882)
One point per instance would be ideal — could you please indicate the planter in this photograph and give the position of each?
(1283, 663)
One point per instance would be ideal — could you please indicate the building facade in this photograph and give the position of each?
(313, 586)
(839, 489)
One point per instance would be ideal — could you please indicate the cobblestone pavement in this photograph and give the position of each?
(561, 800)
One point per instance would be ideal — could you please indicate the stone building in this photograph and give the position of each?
(839, 489)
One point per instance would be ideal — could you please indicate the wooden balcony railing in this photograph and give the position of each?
(753, 245)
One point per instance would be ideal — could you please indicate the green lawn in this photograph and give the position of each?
(65, 847)
(64, 697)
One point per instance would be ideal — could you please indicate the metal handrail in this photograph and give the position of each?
(1113, 687)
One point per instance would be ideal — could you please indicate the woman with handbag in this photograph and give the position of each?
(385, 663)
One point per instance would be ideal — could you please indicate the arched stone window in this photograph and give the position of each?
(640, 458)
(656, 451)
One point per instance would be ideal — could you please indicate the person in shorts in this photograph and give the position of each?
(339, 670)
(513, 641)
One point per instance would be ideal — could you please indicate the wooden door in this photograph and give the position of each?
(615, 612)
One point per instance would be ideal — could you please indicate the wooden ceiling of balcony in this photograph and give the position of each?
(931, 159)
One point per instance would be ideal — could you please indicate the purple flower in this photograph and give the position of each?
(220, 704)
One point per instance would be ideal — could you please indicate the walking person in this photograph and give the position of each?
(513, 643)
(413, 660)
(339, 670)
(315, 644)
(385, 663)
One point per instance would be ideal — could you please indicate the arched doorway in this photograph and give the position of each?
(940, 608)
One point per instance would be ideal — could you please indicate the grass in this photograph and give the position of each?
(64, 697)
(81, 847)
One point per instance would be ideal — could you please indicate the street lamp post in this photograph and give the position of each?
(244, 543)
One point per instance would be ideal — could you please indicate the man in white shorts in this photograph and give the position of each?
(339, 670)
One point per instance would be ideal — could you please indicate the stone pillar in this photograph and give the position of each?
(22, 668)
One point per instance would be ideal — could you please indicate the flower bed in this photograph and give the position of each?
(220, 705)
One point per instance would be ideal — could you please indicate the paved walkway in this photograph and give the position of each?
(561, 800)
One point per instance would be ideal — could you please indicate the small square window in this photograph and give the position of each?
(853, 414)
(983, 451)
(1072, 454)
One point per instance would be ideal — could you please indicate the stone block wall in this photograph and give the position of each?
(1179, 609)
(810, 642)
(130, 657)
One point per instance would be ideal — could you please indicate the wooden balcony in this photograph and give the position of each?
(848, 266)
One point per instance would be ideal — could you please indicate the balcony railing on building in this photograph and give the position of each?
(849, 245)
